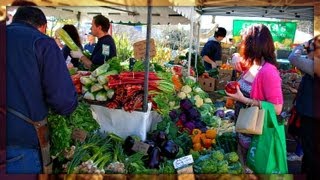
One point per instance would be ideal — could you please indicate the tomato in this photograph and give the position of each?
(231, 87)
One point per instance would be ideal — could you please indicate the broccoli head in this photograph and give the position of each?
(232, 157)
(217, 155)
(223, 167)
(209, 166)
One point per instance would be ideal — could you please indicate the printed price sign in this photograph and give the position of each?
(140, 147)
(105, 50)
(183, 161)
(79, 135)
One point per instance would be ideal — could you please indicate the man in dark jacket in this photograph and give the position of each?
(211, 51)
(37, 79)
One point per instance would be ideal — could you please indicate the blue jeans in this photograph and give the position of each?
(23, 160)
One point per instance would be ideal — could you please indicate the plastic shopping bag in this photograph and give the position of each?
(267, 152)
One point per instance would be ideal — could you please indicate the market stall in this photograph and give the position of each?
(147, 121)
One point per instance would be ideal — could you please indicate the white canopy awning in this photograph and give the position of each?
(124, 14)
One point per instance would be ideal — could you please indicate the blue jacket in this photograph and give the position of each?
(37, 78)
(97, 56)
(304, 99)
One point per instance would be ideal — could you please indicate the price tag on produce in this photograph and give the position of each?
(79, 135)
(105, 50)
(140, 147)
(182, 162)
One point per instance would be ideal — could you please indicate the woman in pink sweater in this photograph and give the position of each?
(260, 80)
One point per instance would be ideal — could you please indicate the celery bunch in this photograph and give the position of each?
(64, 36)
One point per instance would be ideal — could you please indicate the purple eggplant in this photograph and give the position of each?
(169, 149)
(154, 158)
(128, 144)
(160, 137)
(151, 144)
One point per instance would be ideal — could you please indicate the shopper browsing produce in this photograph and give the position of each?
(105, 48)
(37, 79)
(261, 81)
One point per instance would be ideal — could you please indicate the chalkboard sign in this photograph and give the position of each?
(282, 32)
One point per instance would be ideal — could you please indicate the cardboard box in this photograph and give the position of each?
(139, 49)
(207, 84)
(224, 77)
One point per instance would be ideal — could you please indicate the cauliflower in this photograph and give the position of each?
(218, 155)
(197, 97)
(207, 100)
(199, 102)
(171, 104)
(232, 157)
(192, 78)
(182, 95)
(186, 89)
(197, 90)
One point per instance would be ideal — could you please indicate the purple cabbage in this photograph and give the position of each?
(185, 104)
(229, 115)
(219, 113)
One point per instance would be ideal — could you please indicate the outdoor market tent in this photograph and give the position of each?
(160, 15)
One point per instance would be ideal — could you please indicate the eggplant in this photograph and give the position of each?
(169, 149)
(154, 158)
(160, 137)
(128, 144)
(152, 144)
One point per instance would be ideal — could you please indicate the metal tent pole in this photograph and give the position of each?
(190, 40)
(146, 61)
